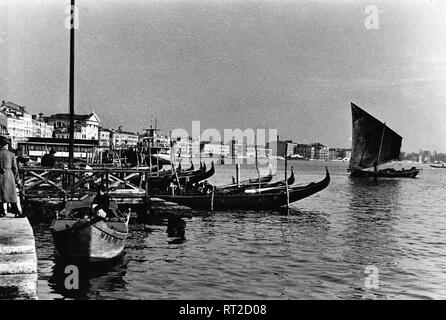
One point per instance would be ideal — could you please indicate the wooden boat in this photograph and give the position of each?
(249, 182)
(271, 199)
(79, 237)
(386, 173)
(291, 179)
(198, 177)
(374, 144)
(438, 166)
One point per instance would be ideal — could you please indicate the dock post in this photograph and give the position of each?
(237, 174)
(106, 180)
(146, 178)
(212, 199)
(286, 179)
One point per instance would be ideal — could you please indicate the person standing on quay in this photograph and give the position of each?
(8, 173)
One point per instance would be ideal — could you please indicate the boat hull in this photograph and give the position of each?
(80, 240)
(412, 173)
(437, 166)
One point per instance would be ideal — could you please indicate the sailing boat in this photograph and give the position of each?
(374, 144)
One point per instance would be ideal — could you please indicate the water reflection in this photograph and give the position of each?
(370, 236)
(92, 278)
(176, 229)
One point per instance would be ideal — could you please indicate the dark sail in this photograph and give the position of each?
(367, 134)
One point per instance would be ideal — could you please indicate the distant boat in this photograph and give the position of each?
(79, 237)
(374, 144)
(442, 166)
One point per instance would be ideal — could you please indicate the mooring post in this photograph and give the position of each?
(106, 179)
(286, 179)
(237, 174)
(146, 178)
(212, 198)
(23, 174)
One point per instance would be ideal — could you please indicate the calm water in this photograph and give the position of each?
(319, 251)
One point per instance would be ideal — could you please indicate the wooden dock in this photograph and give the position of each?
(55, 186)
(18, 260)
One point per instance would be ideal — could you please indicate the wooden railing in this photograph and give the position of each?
(55, 184)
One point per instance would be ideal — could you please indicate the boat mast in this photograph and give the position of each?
(257, 163)
(71, 90)
(381, 143)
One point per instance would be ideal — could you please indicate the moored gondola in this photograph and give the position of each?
(80, 236)
(271, 199)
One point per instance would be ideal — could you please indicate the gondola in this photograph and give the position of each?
(77, 236)
(161, 182)
(272, 199)
(374, 144)
(438, 166)
(249, 182)
(242, 188)
(198, 177)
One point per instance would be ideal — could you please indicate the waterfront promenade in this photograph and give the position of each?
(18, 261)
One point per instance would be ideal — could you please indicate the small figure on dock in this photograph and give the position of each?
(8, 174)
(48, 160)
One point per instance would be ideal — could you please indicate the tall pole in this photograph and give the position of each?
(381, 143)
(286, 178)
(257, 163)
(71, 89)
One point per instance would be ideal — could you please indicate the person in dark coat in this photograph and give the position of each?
(48, 160)
(101, 203)
(8, 173)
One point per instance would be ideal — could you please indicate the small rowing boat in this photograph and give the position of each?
(78, 236)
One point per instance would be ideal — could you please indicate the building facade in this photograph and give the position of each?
(121, 139)
(281, 148)
(213, 149)
(41, 129)
(19, 123)
(105, 138)
(86, 126)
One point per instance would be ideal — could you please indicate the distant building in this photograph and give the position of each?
(105, 138)
(333, 153)
(262, 152)
(183, 147)
(215, 148)
(124, 139)
(348, 153)
(3, 125)
(85, 126)
(18, 122)
(279, 148)
(41, 129)
(303, 150)
(236, 149)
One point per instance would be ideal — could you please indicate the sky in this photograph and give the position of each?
(293, 66)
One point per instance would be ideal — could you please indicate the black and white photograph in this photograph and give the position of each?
(200, 152)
